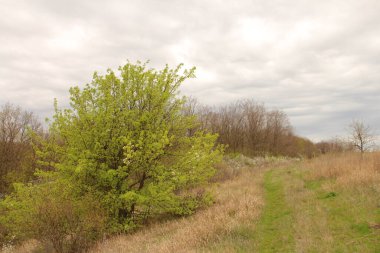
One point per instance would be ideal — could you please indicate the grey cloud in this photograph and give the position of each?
(316, 60)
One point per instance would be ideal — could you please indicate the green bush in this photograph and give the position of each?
(51, 213)
(127, 141)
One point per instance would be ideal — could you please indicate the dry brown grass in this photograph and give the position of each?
(349, 169)
(237, 201)
(27, 247)
(326, 224)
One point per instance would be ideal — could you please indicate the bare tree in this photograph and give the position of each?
(361, 135)
(16, 153)
(248, 128)
(334, 145)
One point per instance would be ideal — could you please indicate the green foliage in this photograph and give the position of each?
(49, 150)
(51, 213)
(127, 142)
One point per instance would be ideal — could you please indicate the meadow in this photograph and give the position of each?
(327, 204)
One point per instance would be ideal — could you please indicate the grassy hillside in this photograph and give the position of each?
(329, 204)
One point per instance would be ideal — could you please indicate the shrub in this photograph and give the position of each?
(127, 141)
(52, 214)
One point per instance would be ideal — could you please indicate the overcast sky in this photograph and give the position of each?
(317, 60)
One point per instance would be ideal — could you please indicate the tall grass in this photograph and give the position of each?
(348, 169)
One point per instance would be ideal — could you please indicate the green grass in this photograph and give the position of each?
(331, 218)
(313, 184)
(274, 231)
(349, 216)
(305, 215)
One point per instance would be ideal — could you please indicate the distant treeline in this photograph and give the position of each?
(249, 128)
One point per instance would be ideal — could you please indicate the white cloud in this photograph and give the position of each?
(72, 38)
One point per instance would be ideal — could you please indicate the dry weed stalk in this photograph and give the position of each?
(348, 168)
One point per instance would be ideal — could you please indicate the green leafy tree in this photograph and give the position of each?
(127, 140)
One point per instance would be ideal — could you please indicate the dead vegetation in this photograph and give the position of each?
(348, 169)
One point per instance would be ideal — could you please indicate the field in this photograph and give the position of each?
(327, 204)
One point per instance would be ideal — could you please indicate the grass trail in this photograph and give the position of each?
(271, 231)
(302, 214)
(274, 231)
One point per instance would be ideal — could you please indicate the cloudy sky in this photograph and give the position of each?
(318, 60)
